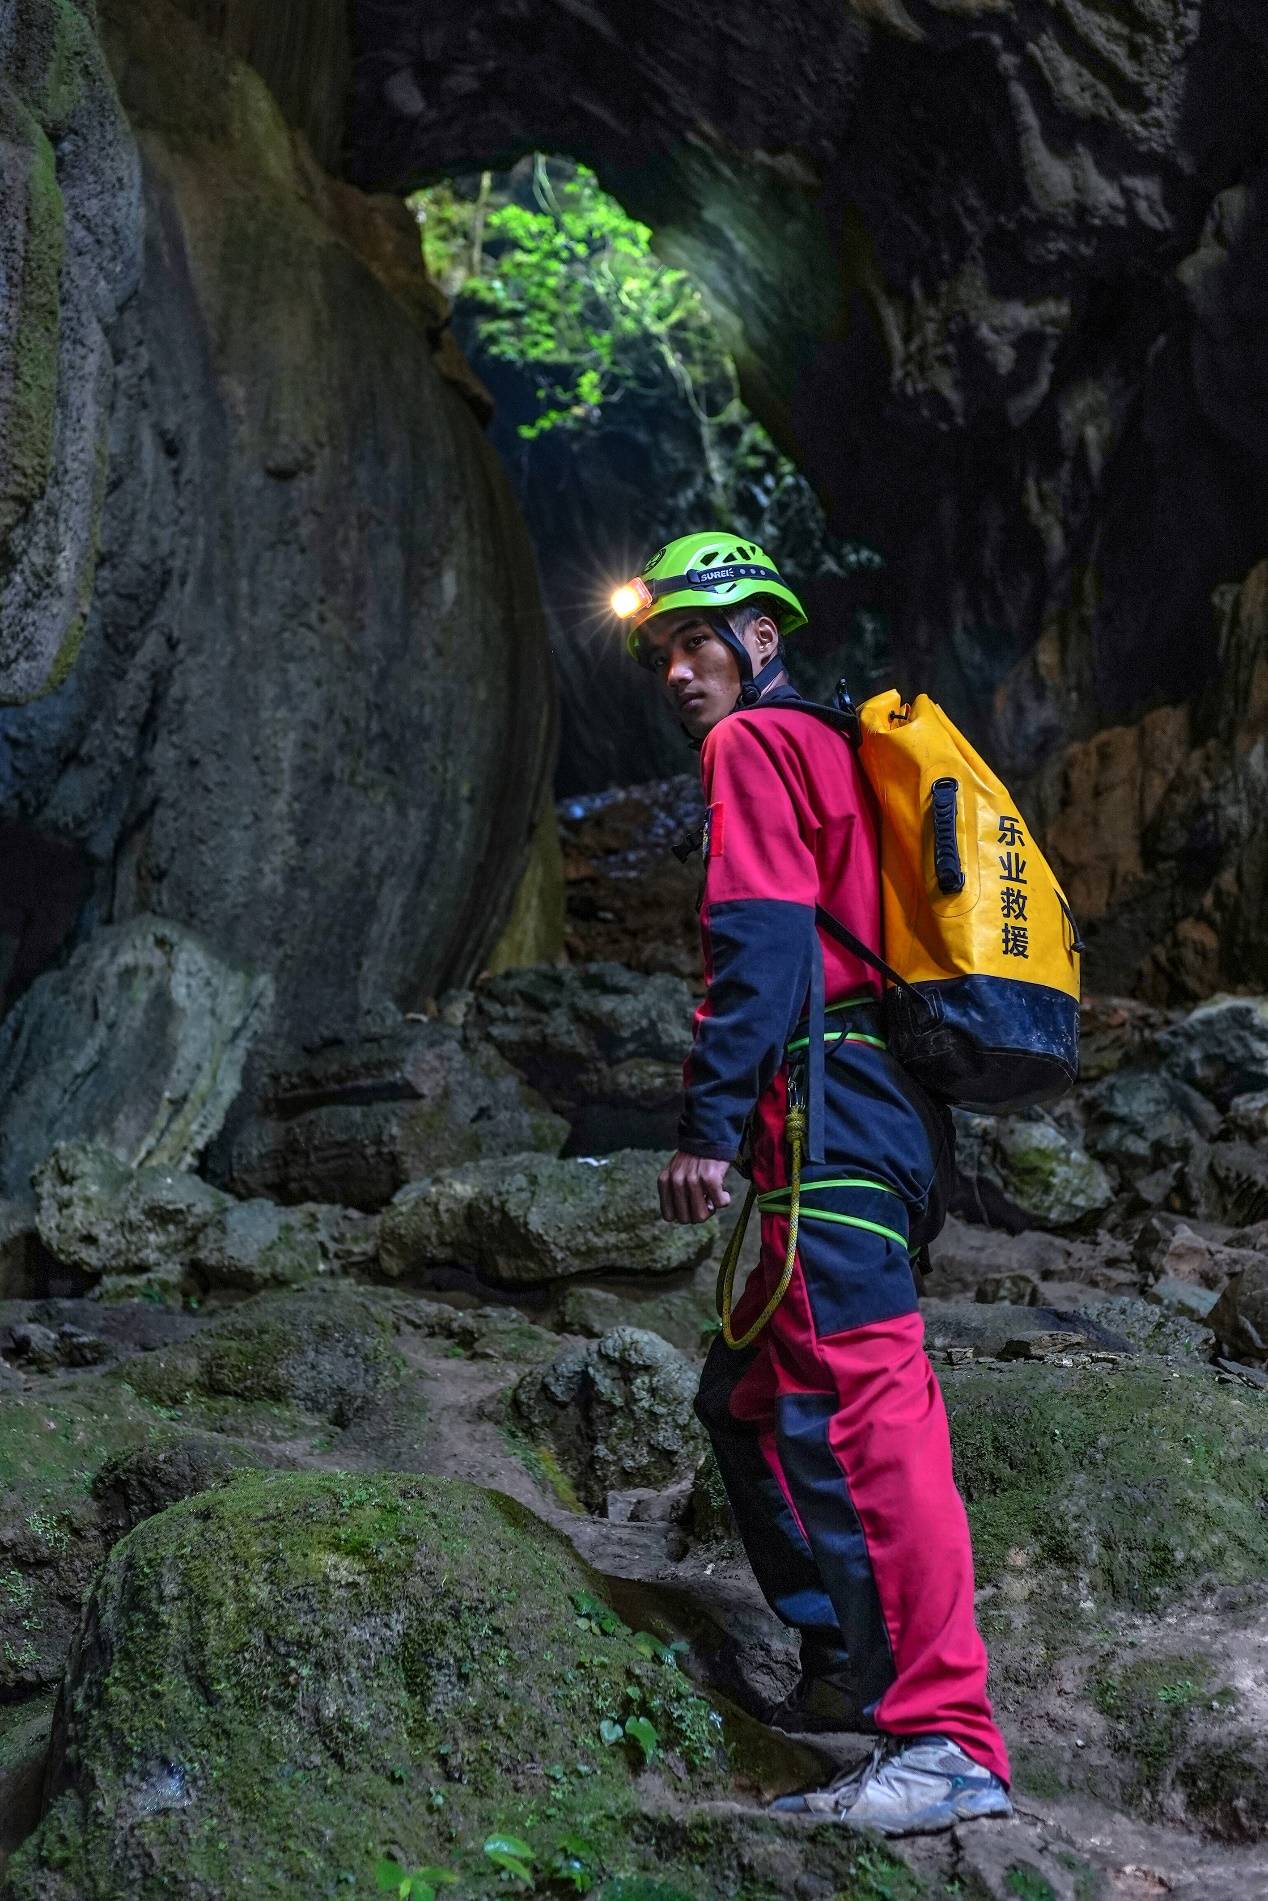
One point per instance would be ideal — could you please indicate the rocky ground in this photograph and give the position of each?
(355, 1511)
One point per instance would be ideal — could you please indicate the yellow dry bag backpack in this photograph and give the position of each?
(979, 947)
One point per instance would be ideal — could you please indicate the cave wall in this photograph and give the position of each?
(990, 272)
(69, 257)
(312, 715)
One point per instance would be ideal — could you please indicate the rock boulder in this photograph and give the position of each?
(359, 1116)
(148, 1229)
(604, 1044)
(532, 1218)
(617, 1413)
(1027, 1171)
(137, 1042)
(418, 1663)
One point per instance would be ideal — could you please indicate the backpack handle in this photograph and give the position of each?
(944, 795)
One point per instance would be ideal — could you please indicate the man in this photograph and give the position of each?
(828, 1424)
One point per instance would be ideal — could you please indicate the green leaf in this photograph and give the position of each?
(389, 1874)
(435, 1877)
(639, 1730)
(649, 1646)
(509, 1852)
(610, 1732)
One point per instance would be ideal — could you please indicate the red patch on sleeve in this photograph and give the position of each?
(715, 834)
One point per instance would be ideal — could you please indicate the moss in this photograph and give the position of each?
(1125, 1486)
(1225, 1785)
(407, 1663)
(325, 1352)
(534, 930)
(541, 1462)
(28, 426)
(1027, 1883)
(1156, 1709)
(1147, 1705)
(48, 1455)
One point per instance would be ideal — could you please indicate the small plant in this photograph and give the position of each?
(878, 1877)
(421, 1885)
(593, 1614)
(512, 1854)
(575, 1862)
(635, 1729)
(1028, 1884)
(640, 1731)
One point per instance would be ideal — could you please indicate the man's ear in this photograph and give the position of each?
(767, 632)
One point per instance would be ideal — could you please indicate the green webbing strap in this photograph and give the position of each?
(777, 1202)
(851, 1221)
(840, 1036)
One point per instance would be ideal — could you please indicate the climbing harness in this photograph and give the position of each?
(789, 1200)
(795, 1134)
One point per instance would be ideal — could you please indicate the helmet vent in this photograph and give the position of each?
(709, 557)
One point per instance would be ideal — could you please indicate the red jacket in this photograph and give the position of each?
(792, 823)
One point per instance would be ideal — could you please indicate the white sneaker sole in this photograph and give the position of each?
(968, 1805)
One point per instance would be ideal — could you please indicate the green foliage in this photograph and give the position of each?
(512, 1854)
(640, 1731)
(569, 284)
(1028, 1884)
(391, 1878)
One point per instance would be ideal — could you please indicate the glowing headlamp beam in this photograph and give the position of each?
(628, 599)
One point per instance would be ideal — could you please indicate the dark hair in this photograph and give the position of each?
(752, 609)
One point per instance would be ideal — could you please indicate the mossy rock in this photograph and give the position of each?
(282, 1681)
(322, 1353)
(1189, 1757)
(532, 1219)
(74, 1475)
(616, 1412)
(1097, 1488)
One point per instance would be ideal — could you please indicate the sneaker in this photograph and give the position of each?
(837, 1797)
(908, 1788)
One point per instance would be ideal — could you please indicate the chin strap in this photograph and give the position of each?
(752, 686)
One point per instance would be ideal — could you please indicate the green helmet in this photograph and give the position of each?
(709, 570)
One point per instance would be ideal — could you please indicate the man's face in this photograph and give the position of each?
(696, 670)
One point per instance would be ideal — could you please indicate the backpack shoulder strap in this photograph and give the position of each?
(842, 718)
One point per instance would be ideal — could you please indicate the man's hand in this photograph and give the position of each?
(691, 1188)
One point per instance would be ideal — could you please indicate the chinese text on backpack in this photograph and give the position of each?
(980, 948)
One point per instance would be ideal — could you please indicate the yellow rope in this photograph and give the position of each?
(795, 1130)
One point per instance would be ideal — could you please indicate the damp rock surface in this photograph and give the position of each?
(617, 1411)
(162, 1231)
(355, 1119)
(138, 1042)
(533, 1218)
(482, 1665)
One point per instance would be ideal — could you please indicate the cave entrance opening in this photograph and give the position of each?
(619, 416)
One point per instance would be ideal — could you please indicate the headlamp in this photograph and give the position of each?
(630, 598)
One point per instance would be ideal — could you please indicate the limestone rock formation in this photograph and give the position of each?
(530, 1218)
(1157, 828)
(357, 1117)
(70, 256)
(1027, 1171)
(314, 680)
(465, 1672)
(617, 1413)
(137, 1042)
(323, 1352)
(604, 1045)
(154, 1231)
(1239, 1319)
(1031, 378)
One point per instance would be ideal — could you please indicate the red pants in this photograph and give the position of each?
(830, 1429)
